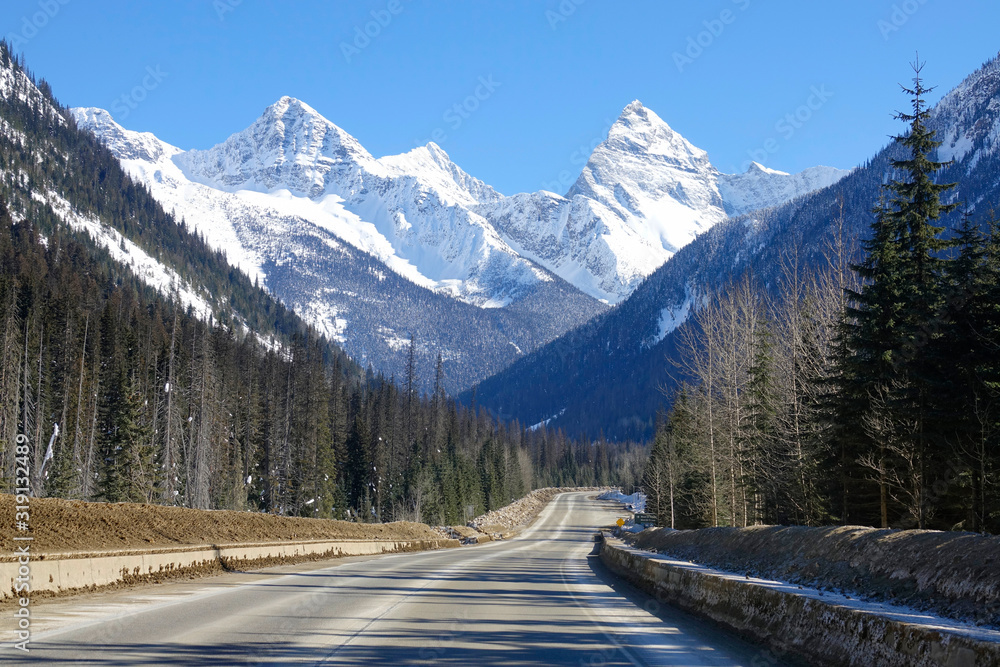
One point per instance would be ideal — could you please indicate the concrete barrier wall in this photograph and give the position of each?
(823, 633)
(61, 572)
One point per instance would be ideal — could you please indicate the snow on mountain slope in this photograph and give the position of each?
(653, 179)
(410, 211)
(580, 240)
(162, 278)
(432, 165)
(16, 85)
(252, 228)
(645, 193)
(760, 187)
(968, 119)
(149, 160)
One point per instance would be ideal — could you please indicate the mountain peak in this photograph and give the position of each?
(292, 114)
(633, 107)
(639, 130)
(124, 144)
(758, 168)
(92, 115)
(288, 104)
(291, 145)
(431, 165)
(438, 152)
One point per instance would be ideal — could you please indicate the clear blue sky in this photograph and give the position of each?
(560, 71)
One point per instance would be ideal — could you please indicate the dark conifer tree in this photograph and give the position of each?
(890, 370)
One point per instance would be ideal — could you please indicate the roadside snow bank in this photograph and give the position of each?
(633, 503)
(956, 575)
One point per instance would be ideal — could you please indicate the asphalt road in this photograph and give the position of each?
(541, 599)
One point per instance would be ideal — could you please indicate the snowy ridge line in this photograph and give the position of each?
(644, 193)
(15, 79)
(825, 628)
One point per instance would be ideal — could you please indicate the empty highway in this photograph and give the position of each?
(540, 599)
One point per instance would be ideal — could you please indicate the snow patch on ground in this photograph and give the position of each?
(899, 613)
(153, 273)
(545, 422)
(396, 342)
(672, 317)
(930, 573)
(635, 502)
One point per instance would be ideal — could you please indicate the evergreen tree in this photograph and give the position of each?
(968, 401)
(916, 205)
(889, 373)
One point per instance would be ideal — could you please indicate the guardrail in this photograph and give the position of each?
(68, 571)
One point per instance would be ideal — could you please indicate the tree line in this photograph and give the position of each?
(124, 396)
(857, 393)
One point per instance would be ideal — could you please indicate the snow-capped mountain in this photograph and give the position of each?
(968, 119)
(608, 377)
(658, 184)
(339, 235)
(334, 266)
(411, 211)
(759, 187)
(645, 193)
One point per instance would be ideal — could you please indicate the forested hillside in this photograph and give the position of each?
(606, 376)
(864, 393)
(205, 391)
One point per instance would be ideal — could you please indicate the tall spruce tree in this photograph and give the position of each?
(892, 329)
(917, 206)
(869, 340)
(968, 401)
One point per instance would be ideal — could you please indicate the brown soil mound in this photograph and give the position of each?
(74, 525)
(950, 574)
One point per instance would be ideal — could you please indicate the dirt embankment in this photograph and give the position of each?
(520, 513)
(950, 574)
(73, 525)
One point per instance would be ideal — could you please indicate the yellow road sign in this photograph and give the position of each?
(621, 522)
